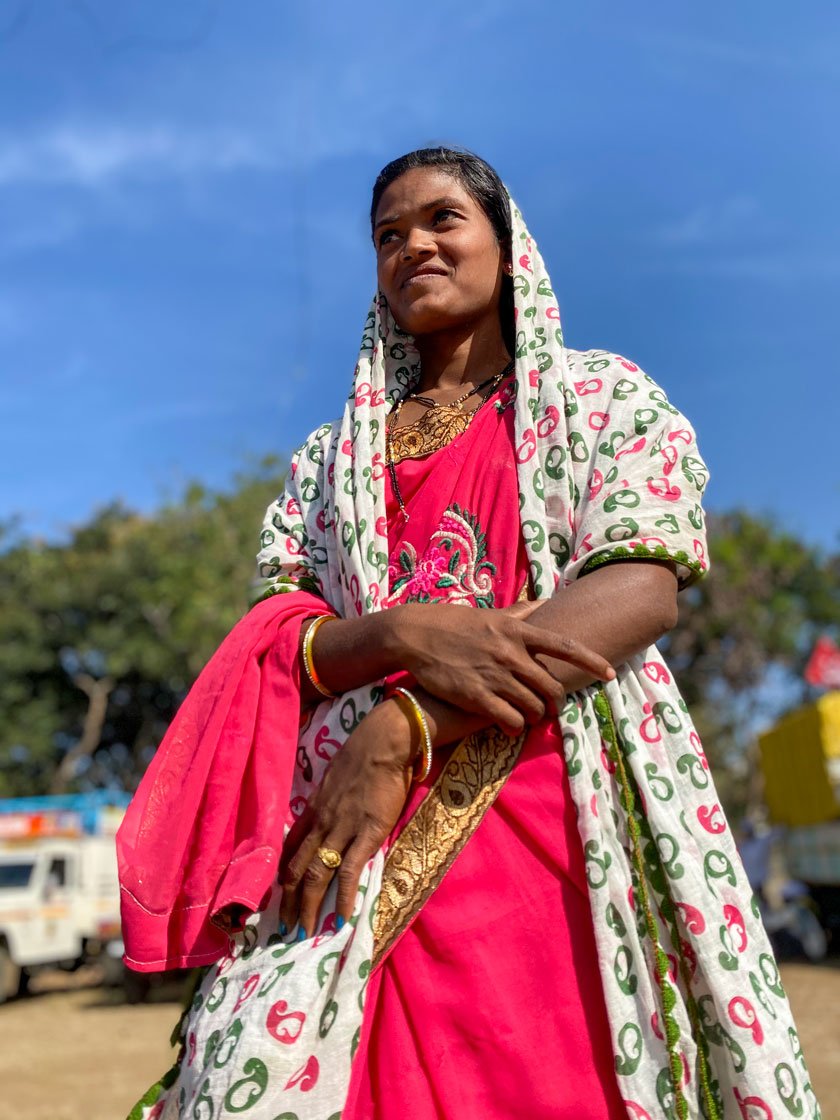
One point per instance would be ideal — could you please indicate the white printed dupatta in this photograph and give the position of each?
(607, 470)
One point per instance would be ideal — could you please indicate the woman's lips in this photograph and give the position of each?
(416, 277)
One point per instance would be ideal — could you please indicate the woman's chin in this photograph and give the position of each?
(420, 321)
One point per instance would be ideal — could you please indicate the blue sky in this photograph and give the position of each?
(184, 257)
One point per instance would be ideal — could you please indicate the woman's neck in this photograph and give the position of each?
(449, 361)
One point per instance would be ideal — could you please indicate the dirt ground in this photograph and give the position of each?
(77, 1052)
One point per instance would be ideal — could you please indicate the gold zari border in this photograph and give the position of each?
(445, 820)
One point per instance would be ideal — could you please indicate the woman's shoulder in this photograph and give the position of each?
(600, 379)
(319, 442)
(603, 364)
(604, 391)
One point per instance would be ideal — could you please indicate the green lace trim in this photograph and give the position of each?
(642, 552)
(284, 584)
(628, 797)
(153, 1095)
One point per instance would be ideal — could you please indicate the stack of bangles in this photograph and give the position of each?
(407, 700)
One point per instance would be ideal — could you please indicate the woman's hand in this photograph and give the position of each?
(353, 811)
(485, 661)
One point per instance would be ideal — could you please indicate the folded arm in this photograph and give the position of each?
(504, 666)
(618, 610)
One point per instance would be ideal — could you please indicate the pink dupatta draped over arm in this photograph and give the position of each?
(205, 828)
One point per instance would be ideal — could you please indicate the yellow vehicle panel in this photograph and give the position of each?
(800, 760)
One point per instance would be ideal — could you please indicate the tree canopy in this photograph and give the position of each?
(101, 635)
(744, 635)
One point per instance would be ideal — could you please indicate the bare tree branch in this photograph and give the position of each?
(97, 692)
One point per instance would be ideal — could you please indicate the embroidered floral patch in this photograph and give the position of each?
(453, 568)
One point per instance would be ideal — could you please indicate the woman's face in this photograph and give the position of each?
(438, 261)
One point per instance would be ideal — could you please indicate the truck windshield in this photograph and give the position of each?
(15, 875)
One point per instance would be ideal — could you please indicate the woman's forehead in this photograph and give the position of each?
(419, 189)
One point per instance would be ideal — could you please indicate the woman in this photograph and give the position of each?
(546, 917)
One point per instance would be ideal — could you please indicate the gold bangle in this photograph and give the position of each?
(419, 717)
(308, 664)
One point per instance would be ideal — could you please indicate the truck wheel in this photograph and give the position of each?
(9, 974)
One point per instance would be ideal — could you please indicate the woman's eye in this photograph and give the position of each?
(445, 215)
(388, 235)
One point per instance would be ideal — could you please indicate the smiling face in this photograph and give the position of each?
(438, 260)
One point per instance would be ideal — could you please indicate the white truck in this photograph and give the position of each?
(59, 894)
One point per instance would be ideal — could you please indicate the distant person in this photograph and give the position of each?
(507, 889)
(755, 847)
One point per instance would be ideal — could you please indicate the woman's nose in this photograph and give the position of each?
(419, 242)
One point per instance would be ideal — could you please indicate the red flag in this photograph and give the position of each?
(823, 668)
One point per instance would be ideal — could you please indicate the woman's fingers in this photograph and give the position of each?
(349, 874)
(566, 649)
(524, 699)
(302, 869)
(308, 879)
(537, 678)
(504, 715)
(295, 837)
(316, 881)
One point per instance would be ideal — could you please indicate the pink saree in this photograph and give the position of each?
(489, 1000)
(485, 997)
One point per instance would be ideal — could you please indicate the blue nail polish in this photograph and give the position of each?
(284, 929)
(301, 934)
(340, 922)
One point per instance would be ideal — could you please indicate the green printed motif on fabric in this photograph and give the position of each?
(244, 1093)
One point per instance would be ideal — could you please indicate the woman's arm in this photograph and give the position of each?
(617, 610)
(349, 653)
(481, 660)
(505, 666)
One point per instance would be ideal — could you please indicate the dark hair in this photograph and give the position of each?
(482, 182)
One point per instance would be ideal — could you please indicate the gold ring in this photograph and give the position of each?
(329, 857)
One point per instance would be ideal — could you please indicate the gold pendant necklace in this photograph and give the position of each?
(433, 429)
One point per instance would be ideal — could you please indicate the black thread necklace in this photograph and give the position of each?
(449, 415)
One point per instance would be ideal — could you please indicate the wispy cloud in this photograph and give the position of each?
(816, 59)
(20, 390)
(736, 237)
(777, 266)
(89, 156)
(708, 223)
